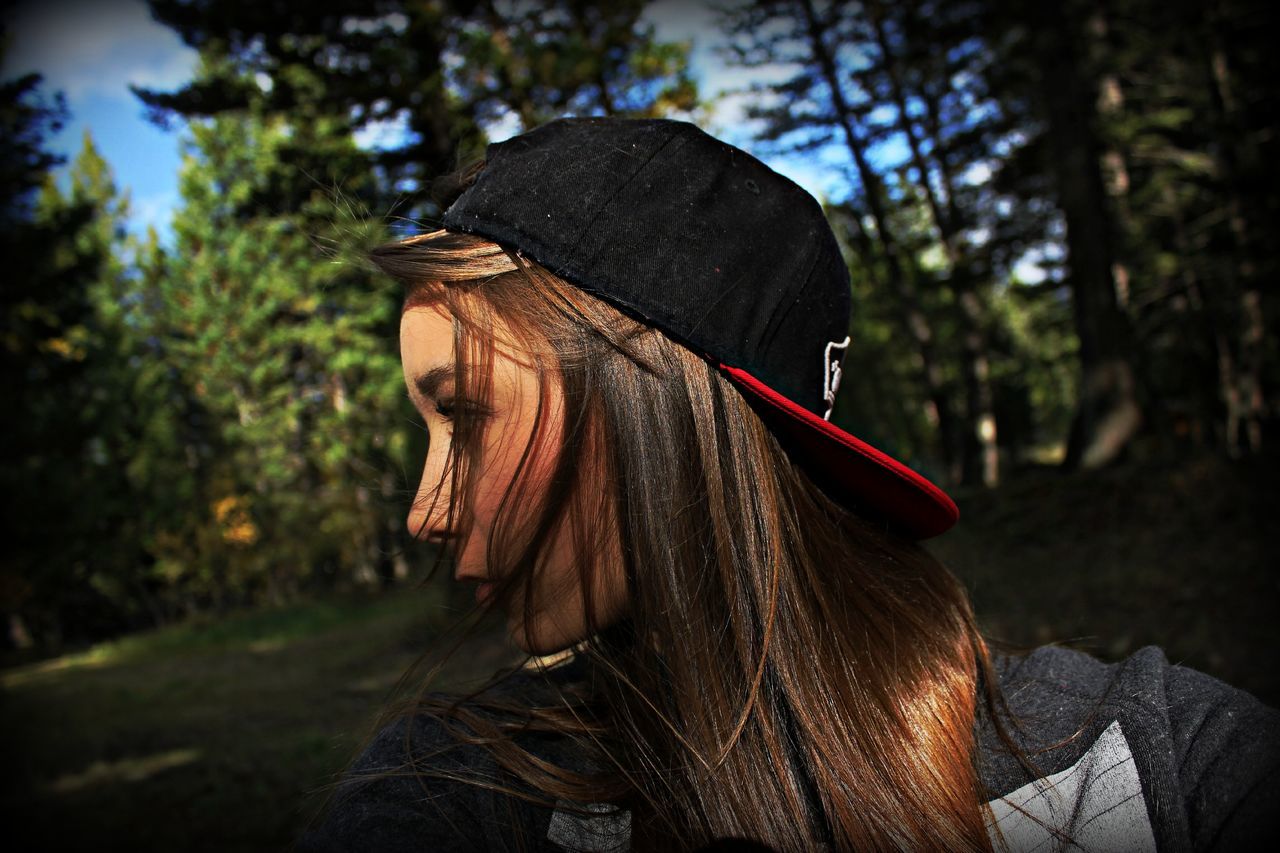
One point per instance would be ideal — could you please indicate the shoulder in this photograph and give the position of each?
(385, 800)
(1174, 757)
(419, 785)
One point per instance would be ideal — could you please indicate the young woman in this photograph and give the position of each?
(625, 343)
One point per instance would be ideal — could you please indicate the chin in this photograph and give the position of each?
(541, 642)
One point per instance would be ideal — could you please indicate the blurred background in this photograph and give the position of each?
(1060, 221)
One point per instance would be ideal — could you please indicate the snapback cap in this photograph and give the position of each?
(724, 255)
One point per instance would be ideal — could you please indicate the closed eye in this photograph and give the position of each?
(449, 408)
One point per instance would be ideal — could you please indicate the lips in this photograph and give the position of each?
(484, 587)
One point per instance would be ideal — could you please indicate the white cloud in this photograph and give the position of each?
(977, 174)
(155, 210)
(681, 20)
(89, 49)
(1028, 270)
(385, 134)
(504, 128)
(700, 25)
(395, 21)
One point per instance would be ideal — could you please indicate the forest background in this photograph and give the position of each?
(1059, 220)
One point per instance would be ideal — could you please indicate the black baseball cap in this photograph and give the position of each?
(724, 255)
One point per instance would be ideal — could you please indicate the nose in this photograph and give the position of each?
(430, 510)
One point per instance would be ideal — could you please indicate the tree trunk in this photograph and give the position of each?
(911, 310)
(393, 567)
(365, 571)
(435, 118)
(980, 452)
(19, 636)
(1107, 415)
(1207, 326)
(1115, 167)
(1245, 401)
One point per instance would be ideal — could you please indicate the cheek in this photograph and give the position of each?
(560, 604)
(611, 594)
(508, 494)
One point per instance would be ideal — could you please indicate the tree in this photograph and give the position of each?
(72, 557)
(438, 72)
(1108, 414)
(869, 79)
(919, 82)
(299, 420)
(31, 316)
(1165, 191)
(289, 360)
(1239, 92)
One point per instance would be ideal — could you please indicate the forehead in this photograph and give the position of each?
(426, 335)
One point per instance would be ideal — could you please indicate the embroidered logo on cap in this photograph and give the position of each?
(831, 374)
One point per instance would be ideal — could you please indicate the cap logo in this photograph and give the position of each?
(831, 373)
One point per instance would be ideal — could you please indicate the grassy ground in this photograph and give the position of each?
(1111, 561)
(205, 737)
(217, 736)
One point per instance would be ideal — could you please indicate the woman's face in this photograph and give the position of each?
(426, 351)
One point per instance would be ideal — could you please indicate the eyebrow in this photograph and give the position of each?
(428, 383)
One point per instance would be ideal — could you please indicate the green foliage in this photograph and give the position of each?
(288, 356)
(70, 564)
(1120, 149)
(426, 78)
(221, 420)
(540, 61)
(1193, 201)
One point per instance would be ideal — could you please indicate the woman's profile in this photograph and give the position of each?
(625, 342)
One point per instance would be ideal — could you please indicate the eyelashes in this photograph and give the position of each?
(449, 408)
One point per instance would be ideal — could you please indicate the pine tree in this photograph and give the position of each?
(858, 87)
(439, 72)
(295, 419)
(73, 556)
(291, 361)
(1164, 192)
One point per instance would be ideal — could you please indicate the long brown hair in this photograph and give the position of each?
(788, 671)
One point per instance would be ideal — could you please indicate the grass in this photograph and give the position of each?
(217, 735)
(1111, 561)
(205, 736)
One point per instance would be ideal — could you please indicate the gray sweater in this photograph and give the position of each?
(1166, 759)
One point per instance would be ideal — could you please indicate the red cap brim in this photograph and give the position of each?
(876, 483)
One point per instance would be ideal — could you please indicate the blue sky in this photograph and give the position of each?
(91, 50)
